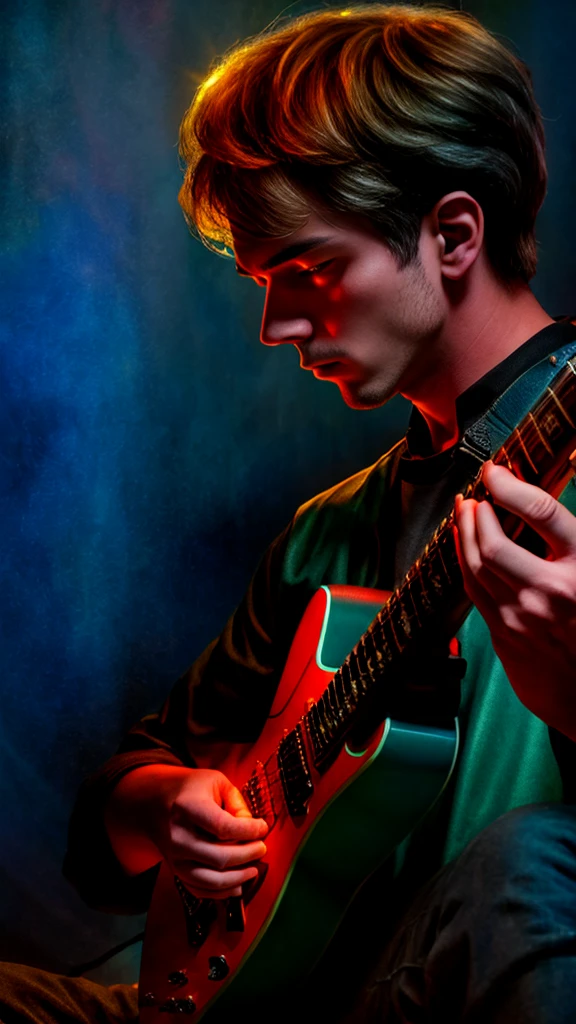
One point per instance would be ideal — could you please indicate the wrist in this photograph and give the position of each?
(136, 811)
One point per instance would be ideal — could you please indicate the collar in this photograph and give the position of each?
(419, 464)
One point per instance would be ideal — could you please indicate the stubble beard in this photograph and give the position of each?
(420, 317)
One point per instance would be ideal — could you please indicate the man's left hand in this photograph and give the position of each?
(529, 603)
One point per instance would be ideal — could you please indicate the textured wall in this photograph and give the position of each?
(150, 446)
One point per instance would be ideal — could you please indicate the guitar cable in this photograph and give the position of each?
(79, 969)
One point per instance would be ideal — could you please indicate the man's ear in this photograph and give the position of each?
(458, 221)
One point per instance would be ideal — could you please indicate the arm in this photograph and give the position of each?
(125, 814)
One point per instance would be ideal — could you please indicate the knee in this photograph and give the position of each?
(528, 840)
(525, 858)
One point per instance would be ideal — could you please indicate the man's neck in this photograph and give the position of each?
(484, 326)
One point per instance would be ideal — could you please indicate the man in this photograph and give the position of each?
(379, 170)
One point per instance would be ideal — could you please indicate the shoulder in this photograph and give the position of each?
(361, 491)
(336, 535)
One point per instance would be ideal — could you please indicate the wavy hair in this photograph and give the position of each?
(374, 110)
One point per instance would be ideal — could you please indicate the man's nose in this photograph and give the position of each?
(281, 323)
(278, 330)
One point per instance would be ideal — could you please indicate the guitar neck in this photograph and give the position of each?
(431, 604)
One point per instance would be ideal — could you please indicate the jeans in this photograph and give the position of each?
(491, 939)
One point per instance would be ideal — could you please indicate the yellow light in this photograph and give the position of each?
(344, 14)
(213, 78)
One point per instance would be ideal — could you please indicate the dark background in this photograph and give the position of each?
(150, 446)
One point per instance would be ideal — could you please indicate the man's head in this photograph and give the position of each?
(409, 140)
(376, 111)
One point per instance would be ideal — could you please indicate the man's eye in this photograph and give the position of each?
(310, 271)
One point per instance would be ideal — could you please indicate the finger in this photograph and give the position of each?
(540, 510)
(214, 881)
(467, 541)
(232, 799)
(210, 894)
(217, 855)
(490, 595)
(207, 815)
(503, 556)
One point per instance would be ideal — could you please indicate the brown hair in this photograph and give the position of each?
(374, 110)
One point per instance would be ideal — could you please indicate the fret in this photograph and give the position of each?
(347, 682)
(317, 739)
(400, 627)
(327, 723)
(408, 588)
(393, 627)
(381, 647)
(540, 435)
(358, 676)
(507, 459)
(335, 709)
(341, 695)
(525, 450)
(343, 705)
(562, 409)
(442, 559)
(388, 631)
(404, 616)
(360, 653)
(438, 567)
(426, 602)
(313, 720)
(374, 655)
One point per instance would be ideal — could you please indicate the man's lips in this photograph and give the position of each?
(318, 363)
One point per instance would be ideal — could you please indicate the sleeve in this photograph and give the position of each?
(564, 750)
(224, 695)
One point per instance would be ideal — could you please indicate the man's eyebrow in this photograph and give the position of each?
(289, 252)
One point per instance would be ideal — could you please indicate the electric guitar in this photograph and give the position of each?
(340, 777)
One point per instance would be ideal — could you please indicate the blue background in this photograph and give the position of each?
(150, 446)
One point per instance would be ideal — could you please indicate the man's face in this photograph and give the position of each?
(335, 291)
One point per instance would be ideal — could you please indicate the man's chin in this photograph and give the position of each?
(363, 395)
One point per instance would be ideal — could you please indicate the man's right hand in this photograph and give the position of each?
(192, 817)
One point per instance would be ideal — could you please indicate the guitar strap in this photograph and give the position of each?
(488, 433)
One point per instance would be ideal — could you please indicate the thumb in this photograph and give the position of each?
(232, 800)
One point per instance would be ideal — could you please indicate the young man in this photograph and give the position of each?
(379, 170)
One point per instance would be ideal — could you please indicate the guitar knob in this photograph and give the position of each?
(149, 999)
(186, 1005)
(218, 968)
(178, 978)
(169, 1006)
